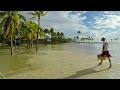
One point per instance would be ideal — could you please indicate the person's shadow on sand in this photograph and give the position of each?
(84, 72)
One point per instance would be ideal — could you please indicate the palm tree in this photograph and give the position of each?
(61, 36)
(58, 36)
(51, 31)
(46, 31)
(78, 34)
(38, 14)
(75, 38)
(92, 38)
(30, 32)
(54, 36)
(89, 38)
(10, 20)
(20, 29)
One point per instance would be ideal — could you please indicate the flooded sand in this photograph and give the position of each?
(63, 61)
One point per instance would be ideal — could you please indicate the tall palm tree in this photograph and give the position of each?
(61, 36)
(75, 38)
(92, 38)
(89, 38)
(20, 30)
(78, 34)
(38, 14)
(10, 20)
(51, 32)
(46, 31)
(54, 36)
(58, 35)
(29, 32)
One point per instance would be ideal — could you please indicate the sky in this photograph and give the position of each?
(96, 24)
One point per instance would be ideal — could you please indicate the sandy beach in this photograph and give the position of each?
(63, 64)
(59, 44)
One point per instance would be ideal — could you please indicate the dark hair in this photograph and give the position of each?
(103, 39)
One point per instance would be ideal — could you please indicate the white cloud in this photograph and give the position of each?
(64, 21)
(112, 12)
(70, 22)
(107, 21)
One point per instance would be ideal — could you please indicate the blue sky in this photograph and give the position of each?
(95, 24)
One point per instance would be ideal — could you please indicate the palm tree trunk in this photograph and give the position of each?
(11, 43)
(19, 41)
(51, 37)
(27, 44)
(37, 33)
(31, 43)
(15, 42)
(44, 37)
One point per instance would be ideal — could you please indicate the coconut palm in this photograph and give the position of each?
(78, 34)
(30, 32)
(51, 31)
(75, 38)
(38, 14)
(58, 35)
(61, 36)
(10, 20)
(92, 38)
(89, 38)
(46, 31)
(54, 36)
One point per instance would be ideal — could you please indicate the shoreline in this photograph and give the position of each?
(65, 65)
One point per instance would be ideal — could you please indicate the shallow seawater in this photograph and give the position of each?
(51, 58)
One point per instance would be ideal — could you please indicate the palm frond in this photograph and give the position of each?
(22, 17)
(32, 18)
(32, 13)
(2, 13)
(44, 13)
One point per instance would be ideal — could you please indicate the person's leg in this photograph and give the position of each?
(102, 54)
(101, 62)
(110, 62)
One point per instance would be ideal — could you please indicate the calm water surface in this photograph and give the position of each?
(21, 57)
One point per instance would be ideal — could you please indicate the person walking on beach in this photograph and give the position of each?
(105, 51)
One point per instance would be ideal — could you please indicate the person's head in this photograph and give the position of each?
(103, 39)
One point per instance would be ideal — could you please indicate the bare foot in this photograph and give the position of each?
(100, 64)
(110, 66)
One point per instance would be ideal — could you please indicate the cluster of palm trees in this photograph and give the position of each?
(14, 26)
(77, 37)
(115, 39)
(83, 38)
(86, 39)
(9, 25)
(52, 36)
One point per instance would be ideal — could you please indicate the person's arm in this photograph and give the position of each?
(103, 48)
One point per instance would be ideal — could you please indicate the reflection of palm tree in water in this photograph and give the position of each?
(84, 72)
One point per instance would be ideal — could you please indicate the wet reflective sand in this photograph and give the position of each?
(61, 61)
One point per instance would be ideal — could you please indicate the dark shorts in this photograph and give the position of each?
(106, 53)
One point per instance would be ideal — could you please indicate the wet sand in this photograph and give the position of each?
(59, 63)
